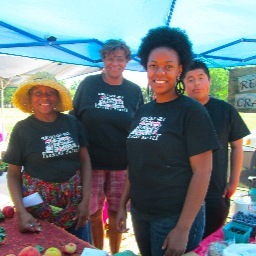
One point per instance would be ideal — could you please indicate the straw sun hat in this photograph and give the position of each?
(21, 98)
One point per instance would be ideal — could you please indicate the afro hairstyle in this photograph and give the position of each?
(173, 38)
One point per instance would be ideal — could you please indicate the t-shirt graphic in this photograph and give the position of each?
(109, 102)
(59, 144)
(147, 128)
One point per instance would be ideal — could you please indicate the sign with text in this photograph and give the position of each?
(245, 100)
(247, 83)
(242, 89)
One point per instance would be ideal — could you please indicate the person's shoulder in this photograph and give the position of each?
(149, 105)
(218, 101)
(91, 78)
(86, 85)
(23, 123)
(132, 84)
(26, 120)
(69, 117)
(189, 101)
(94, 77)
(222, 103)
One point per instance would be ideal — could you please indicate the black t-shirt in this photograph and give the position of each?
(106, 112)
(229, 127)
(47, 150)
(162, 139)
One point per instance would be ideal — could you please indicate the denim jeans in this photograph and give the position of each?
(84, 233)
(151, 231)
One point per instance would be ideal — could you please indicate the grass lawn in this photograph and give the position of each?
(250, 120)
(11, 117)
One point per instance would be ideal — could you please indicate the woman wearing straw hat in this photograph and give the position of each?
(47, 153)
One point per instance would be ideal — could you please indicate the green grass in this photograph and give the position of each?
(250, 120)
(11, 116)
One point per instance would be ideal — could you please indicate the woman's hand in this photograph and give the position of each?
(27, 223)
(82, 214)
(175, 242)
(121, 220)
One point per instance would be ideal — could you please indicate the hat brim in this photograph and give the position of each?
(21, 97)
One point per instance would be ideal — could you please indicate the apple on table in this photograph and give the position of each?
(52, 251)
(69, 248)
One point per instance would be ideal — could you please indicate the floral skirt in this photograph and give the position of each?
(60, 200)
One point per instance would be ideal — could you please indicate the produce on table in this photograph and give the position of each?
(8, 211)
(52, 251)
(29, 251)
(69, 248)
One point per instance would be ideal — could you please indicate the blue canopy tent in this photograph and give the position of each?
(72, 31)
(64, 36)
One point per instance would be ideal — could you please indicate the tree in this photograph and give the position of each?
(8, 92)
(73, 87)
(219, 87)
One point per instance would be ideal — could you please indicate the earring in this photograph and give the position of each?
(179, 87)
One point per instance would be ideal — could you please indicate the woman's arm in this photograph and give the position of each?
(26, 221)
(236, 162)
(83, 210)
(178, 237)
(121, 214)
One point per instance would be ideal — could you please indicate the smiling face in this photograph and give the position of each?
(115, 63)
(163, 69)
(43, 100)
(197, 85)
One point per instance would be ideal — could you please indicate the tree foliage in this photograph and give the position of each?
(219, 83)
(73, 87)
(8, 92)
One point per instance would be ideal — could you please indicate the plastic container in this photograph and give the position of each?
(241, 204)
(248, 219)
(240, 249)
(236, 231)
(31, 200)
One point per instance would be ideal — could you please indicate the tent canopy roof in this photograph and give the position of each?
(72, 31)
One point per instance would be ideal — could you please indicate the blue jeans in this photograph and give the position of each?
(84, 233)
(151, 231)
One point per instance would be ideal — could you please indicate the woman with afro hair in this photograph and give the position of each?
(169, 150)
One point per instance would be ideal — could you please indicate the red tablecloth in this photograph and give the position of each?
(50, 236)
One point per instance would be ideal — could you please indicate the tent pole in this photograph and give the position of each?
(2, 107)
